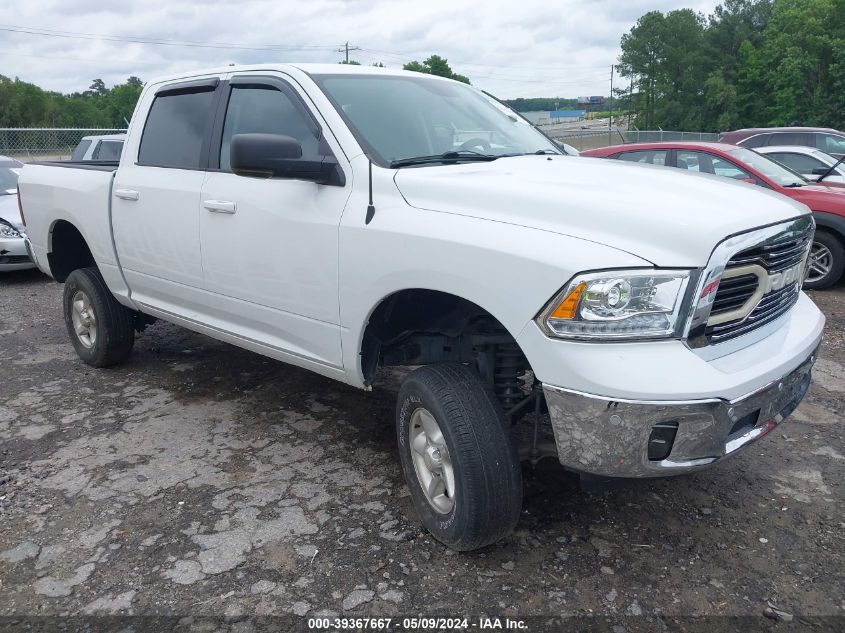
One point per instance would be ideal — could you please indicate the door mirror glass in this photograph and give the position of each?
(278, 156)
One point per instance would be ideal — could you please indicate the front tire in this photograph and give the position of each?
(101, 330)
(826, 262)
(457, 457)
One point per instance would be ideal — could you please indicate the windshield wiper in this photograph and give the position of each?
(794, 185)
(445, 157)
(831, 170)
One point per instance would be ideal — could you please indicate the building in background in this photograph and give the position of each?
(555, 116)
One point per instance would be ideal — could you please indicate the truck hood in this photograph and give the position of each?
(666, 216)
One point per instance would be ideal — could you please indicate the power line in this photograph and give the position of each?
(347, 48)
(159, 41)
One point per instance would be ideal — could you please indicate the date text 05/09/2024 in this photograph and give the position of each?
(417, 624)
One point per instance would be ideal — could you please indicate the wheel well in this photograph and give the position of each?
(68, 250)
(422, 327)
(833, 231)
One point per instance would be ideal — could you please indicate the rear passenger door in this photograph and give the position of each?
(156, 197)
(270, 245)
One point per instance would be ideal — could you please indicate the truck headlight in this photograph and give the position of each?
(618, 304)
(7, 230)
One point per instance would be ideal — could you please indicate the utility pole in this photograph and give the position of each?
(346, 48)
(610, 120)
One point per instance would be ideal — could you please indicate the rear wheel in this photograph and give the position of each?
(101, 330)
(458, 460)
(826, 261)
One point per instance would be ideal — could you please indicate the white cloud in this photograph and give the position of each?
(528, 48)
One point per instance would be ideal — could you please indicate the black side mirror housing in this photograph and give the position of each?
(279, 156)
(820, 171)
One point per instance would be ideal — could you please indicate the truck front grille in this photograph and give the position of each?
(775, 255)
(771, 306)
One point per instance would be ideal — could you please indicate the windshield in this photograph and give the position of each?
(402, 117)
(8, 181)
(773, 170)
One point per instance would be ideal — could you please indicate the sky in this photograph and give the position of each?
(513, 49)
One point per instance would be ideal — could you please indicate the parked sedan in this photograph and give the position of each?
(826, 262)
(826, 139)
(810, 162)
(13, 255)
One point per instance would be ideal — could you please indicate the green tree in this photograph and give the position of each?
(751, 63)
(435, 65)
(24, 104)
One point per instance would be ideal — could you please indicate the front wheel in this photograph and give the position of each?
(458, 460)
(101, 330)
(826, 261)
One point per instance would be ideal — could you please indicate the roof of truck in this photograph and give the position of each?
(311, 69)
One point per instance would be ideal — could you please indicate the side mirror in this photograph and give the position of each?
(820, 171)
(279, 156)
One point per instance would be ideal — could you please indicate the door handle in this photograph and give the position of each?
(219, 206)
(127, 194)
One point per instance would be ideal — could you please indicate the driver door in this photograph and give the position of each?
(270, 245)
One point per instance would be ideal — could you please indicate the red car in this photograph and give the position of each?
(827, 256)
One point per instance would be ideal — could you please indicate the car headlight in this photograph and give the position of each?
(618, 304)
(7, 230)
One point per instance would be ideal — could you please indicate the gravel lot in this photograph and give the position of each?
(200, 479)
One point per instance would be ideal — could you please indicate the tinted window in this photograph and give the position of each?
(705, 163)
(109, 150)
(79, 152)
(649, 156)
(175, 130)
(790, 138)
(755, 141)
(830, 143)
(268, 111)
(801, 163)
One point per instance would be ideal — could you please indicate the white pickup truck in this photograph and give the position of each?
(344, 219)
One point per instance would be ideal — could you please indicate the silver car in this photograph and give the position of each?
(13, 255)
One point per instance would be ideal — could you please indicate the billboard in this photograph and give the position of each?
(591, 100)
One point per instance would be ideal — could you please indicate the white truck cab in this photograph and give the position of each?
(343, 219)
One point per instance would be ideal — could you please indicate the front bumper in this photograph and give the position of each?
(14, 254)
(612, 438)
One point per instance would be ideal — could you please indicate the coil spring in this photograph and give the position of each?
(510, 366)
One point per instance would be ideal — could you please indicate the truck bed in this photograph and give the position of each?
(74, 192)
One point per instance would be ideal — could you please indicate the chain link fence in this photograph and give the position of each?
(28, 144)
(595, 138)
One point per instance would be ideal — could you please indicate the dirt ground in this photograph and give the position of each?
(201, 479)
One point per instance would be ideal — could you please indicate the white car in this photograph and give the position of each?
(322, 215)
(13, 254)
(106, 147)
(810, 162)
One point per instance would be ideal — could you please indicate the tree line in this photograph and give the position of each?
(752, 63)
(24, 104)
